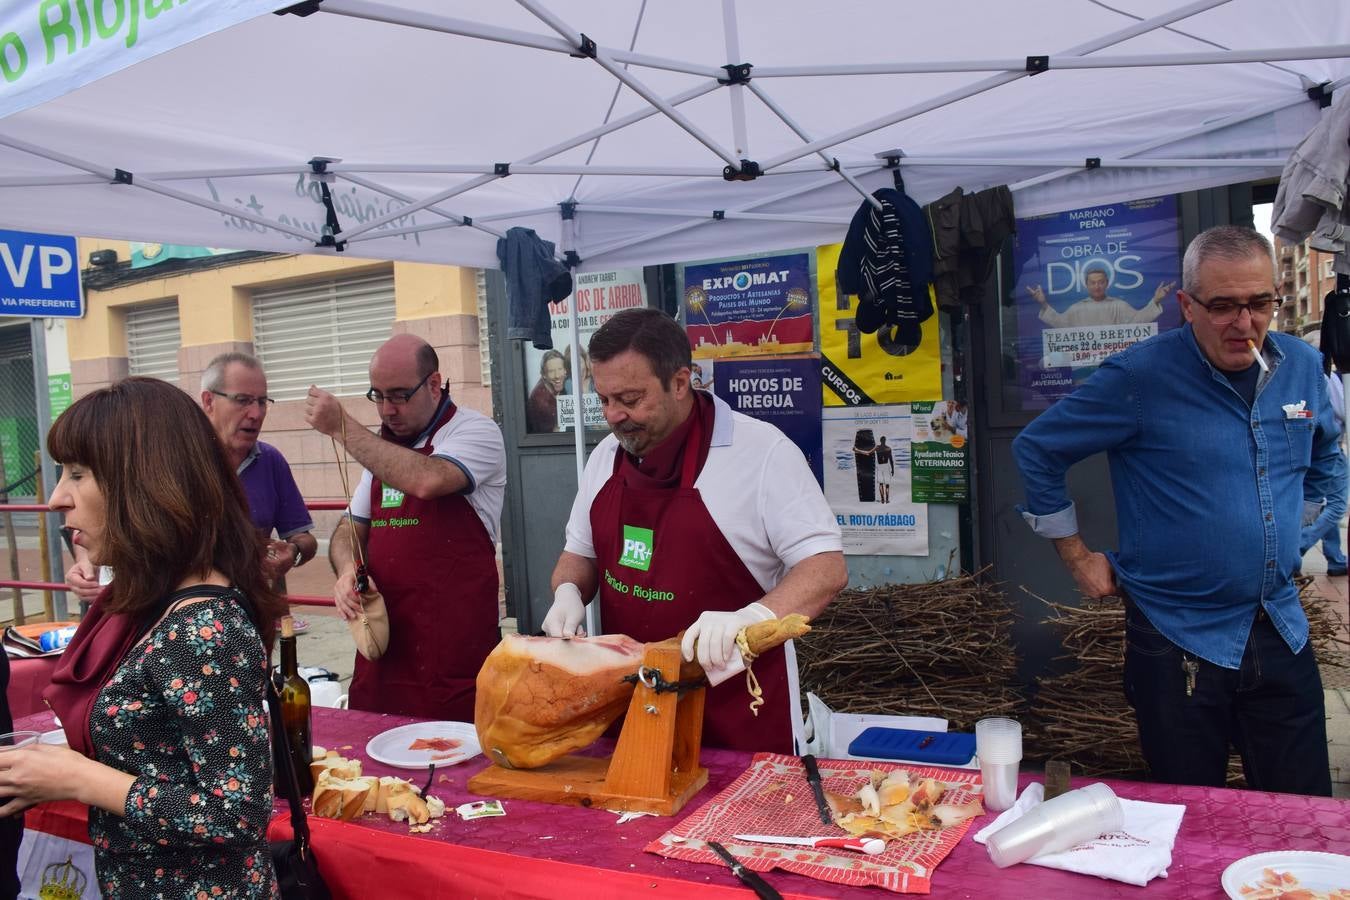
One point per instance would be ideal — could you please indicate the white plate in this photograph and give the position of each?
(56, 736)
(1315, 871)
(391, 747)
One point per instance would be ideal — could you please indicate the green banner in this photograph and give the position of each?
(58, 390)
(939, 452)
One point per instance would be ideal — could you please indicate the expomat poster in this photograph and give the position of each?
(749, 307)
(1091, 282)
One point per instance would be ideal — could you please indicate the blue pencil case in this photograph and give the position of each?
(939, 747)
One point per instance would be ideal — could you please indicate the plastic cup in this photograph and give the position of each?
(1057, 778)
(15, 739)
(1066, 821)
(998, 744)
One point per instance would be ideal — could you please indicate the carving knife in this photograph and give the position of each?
(813, 779)
(870, 846)
(749, 878)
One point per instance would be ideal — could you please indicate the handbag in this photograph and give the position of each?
(370, 630)
(296, 866)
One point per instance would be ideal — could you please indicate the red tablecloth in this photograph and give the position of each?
(27, 679)
(540, 850)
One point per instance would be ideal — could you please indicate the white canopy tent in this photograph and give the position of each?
(449, 122)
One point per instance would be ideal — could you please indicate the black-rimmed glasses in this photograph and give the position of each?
(1226, 312)
(397, 397)
(246, 399)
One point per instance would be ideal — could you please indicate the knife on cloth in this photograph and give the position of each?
(749, 878)
(813, 779)
(870, 846)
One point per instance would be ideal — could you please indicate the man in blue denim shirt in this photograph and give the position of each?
(1211, 459)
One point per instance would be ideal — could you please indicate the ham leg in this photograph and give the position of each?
(541, 698)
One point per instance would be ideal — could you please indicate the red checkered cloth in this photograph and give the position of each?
(772, 797)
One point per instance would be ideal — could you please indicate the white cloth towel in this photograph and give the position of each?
(1139, 852)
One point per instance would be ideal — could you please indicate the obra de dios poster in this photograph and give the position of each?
(749, 307)
(858, 369)
(938, 452)
(867, 480)
(1091, 282)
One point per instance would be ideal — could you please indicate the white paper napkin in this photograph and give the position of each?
(1139, 852)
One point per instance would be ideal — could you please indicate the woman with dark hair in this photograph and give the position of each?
(541, 409)
(161, 689)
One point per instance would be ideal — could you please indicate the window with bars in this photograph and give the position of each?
(153, 339)
(322, 333)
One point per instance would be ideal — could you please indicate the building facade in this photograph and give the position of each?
(310, 319)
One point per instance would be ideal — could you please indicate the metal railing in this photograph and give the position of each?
(19, 585)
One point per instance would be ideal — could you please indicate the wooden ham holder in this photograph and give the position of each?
(655, 767)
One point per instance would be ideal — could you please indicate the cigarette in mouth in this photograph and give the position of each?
(1260, 361)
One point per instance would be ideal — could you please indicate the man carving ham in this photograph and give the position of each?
(692, 516)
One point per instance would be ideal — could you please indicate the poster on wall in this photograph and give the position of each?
(859, 369)
(550, 399)
(783, 392)
(1091, 282)
(939, 445)
(867, 480)
(749, 307)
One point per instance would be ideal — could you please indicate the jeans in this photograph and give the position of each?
(1331, 548)
(1271, 709)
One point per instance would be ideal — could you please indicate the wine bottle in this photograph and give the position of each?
(295, 708)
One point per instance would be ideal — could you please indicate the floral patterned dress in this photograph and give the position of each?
(184, 714)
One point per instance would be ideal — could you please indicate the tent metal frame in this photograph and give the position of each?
(741, 82)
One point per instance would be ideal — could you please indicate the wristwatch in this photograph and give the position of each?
(299, 557)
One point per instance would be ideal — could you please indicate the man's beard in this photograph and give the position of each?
(629, 440)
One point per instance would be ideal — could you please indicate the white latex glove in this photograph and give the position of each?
(715, 634)
(567, 612)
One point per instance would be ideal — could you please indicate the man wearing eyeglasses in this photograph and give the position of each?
(234, 397)
(426, 515)
(1211, 458)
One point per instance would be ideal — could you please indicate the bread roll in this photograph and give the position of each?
(337, 766)
(406, 806)
(372, 794)
(327, 798)
(354, 794)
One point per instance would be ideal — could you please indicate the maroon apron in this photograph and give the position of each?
(662, 560)
(436, 567)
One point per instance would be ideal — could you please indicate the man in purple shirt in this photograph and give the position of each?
(234, 396)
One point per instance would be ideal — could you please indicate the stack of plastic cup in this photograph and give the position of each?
(1068, 820)
(998, 744)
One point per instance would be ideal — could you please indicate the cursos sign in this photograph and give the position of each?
(38, 275)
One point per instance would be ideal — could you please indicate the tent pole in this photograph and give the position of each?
(802, 133)
(541, 155)
(766, 217)
(378, 12)
(1204, 128)
(797, 191)
(737, 91)
(1018, 64)
(455, 219)
(606, 61)
(988, 84)
(146, 184)
(569, 239)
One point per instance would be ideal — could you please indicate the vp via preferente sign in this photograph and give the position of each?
(39, 276)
